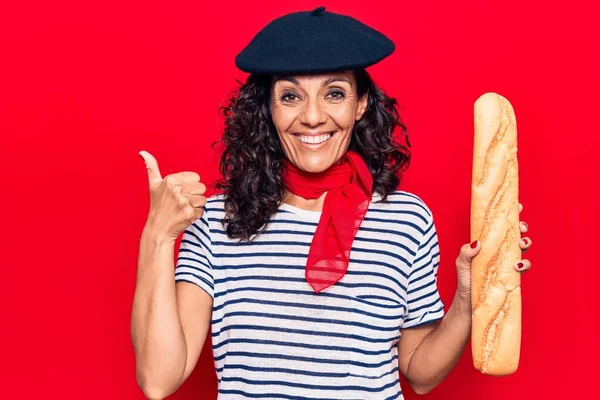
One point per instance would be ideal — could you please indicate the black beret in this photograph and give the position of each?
(313, 41)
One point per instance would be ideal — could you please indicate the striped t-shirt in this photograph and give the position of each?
(273, 337)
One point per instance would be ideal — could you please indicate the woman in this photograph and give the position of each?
(316, 275)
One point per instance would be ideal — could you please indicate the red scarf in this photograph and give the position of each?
(349, 186)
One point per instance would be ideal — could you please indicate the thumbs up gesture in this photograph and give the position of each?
(176, 200)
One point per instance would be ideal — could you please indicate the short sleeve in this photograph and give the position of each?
(422, 297)
(195, 259)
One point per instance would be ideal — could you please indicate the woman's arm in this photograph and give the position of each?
(169, 322)
(428, 353)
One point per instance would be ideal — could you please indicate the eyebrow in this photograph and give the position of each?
(325, 82)
(334, 79)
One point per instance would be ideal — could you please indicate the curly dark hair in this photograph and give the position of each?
(252, 160)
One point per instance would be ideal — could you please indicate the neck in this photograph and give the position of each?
(302, 203)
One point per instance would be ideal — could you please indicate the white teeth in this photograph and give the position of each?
(314, 139)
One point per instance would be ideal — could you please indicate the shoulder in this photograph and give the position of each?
(405, 207)
(403, 200)
(215, 205)
(214, 210)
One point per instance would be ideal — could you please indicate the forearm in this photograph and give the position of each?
(440, 351)
(158, 338)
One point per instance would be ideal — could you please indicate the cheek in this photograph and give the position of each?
(343, 115)
(282, 117)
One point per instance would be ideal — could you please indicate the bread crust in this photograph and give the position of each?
(495, 284)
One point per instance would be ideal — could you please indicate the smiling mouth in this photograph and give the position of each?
(314, 140)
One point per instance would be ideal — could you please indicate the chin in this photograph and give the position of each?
(315, 163)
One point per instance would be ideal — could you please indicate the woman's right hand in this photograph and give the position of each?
(176, 200)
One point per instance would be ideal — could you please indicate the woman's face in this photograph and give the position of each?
(314, 116)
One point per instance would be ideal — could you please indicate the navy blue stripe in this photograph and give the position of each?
(396, 221)
(288, 244)
(279, 221)
(401, 194)
(394, 396)
(432, 292)
(272, 232)
(354, 388)
(283, 211)
(306, 293)
(270, 395)
(382, 241)
(307, 319)
(375, 297)
(308, 243)
(277, 267)
(408, 202)
(306, 306)
(206, 272)
(426, 321)
(303, 257)
(397, 212)
(427, 305)
(202, 260)
(361, 228)
(195, 259)
(307, 332)
(419, 288)
(313, 346)
(294, 371)
(270, 278)
(254, 354)
(182, 276)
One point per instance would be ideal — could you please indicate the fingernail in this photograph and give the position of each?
(525, 241)
(474, 244)
(520, 265)
(525, 223)
(141, 157)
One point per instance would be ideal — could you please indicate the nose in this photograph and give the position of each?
(312, 115)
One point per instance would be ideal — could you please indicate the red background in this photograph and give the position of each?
(84, 87)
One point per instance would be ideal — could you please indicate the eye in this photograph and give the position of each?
(336, 94)
(288, 97)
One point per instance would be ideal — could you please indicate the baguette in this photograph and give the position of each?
(495, 284)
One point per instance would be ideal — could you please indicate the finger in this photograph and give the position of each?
(523, 265)
(183, 177)
(197, 201)
(525, 243)
(195, 188)
(154, 175)
(520, 208)
(523, 227)
(467, 253)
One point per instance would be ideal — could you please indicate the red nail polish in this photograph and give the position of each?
(520, 265)
(474, 244)
(525, 240)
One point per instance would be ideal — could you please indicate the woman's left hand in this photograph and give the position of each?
(463, 261)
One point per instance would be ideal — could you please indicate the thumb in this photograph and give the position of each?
(154, 175)
(468, 252)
